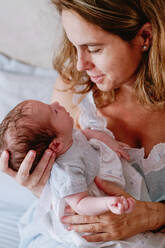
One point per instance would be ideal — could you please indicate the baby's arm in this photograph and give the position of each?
(84, 204)
(113, 144)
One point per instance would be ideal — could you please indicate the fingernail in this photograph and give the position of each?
(31, 153)
(49, 152)
(4, 154)
(69, 227)
(63, 219)
(67, 209)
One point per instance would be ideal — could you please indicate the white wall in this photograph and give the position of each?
(28, 30)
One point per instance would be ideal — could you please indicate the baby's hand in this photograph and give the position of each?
(121, 205)
(115, 145)
(120, 150)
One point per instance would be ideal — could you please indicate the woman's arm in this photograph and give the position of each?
(145, 216)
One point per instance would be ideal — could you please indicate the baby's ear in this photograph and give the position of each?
(56, 145)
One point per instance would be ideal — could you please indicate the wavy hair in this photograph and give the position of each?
(123, 18)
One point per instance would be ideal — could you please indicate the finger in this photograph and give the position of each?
(47, 170)
(4, 161)
(86, 130)
(69, 210)
(123, 154)
(118, 153)
(88, 133)
(42, 165)
(35, 183)
(132, 201)
(110, 188)
(119, 209)
(90, 228)
(126, 156)
(23, 172)
(99, 237)
(131, 205)
(123, 144)
(79, 219)
(125, 203)
(41, 173)
(93, 133)
(119, 206)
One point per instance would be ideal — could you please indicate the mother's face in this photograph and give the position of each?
(109, 61)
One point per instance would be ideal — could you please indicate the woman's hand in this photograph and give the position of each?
(35, 181)
(108, 226)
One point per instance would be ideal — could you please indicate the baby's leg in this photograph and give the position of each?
(120, 205)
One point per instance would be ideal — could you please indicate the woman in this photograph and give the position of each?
(116, 49)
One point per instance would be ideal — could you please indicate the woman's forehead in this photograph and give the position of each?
(80, 31)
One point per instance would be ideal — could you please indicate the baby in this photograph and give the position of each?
(34, 125)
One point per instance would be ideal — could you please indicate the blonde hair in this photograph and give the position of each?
(123, 18)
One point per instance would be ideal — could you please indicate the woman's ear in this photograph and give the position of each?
(145, 34)
(56, 145)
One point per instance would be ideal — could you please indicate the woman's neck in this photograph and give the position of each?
(126, 94)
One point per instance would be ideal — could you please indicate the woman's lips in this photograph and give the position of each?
(97, 79)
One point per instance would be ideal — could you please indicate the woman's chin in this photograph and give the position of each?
(104, 88)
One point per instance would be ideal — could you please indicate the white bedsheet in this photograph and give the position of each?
(9, 216)
(18, 82)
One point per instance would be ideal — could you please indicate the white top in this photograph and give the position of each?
(152, 168)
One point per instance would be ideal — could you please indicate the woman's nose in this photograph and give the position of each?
(83, 62)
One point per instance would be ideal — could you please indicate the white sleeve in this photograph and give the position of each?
(68, 179)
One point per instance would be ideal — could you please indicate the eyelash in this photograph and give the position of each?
(94, 51)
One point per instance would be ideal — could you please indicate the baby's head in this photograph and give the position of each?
(34, 125)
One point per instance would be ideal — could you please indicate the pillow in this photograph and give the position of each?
(29, 30)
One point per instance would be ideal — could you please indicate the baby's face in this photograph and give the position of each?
(53, 114)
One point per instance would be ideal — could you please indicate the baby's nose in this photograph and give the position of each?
(55, 104)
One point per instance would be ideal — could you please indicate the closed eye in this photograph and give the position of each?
(92, 50)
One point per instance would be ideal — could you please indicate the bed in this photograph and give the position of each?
(26, 51)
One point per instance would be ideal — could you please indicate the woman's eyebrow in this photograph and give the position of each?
(92, 44)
